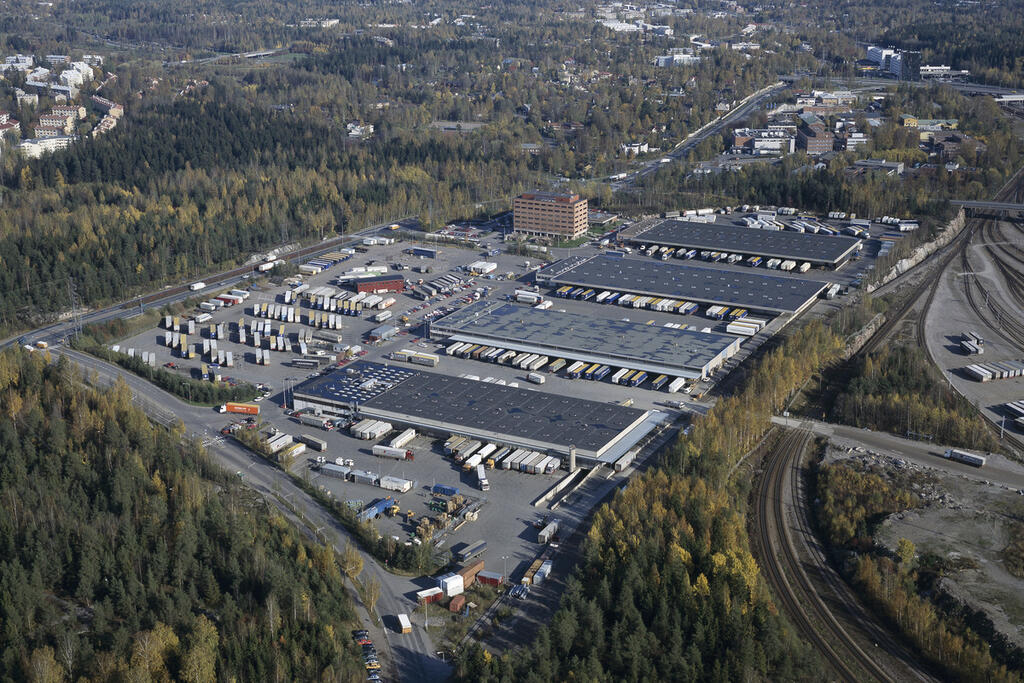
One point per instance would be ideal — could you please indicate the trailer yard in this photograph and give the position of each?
(476, 344)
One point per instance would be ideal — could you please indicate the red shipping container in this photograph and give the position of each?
(457, 603)
(428, 596)
(490, 578)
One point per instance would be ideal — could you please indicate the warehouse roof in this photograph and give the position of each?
(799, 246)
(751, 289)
(633, 344)
(380, 278)
(490, 411)
(342, 386)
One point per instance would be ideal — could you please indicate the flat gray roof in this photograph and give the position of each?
(495, 412)
(784, 244)
(751, 289)
(618, 342)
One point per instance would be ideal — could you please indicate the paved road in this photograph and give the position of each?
(412, 654)
(683, 148)
(861, 81)
(56, 332)
(998, 469)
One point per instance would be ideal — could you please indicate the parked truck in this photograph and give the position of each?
(394, 453)
(316, 421)
(240, 408)
(548, 532)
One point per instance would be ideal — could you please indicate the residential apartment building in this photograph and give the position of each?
(549, 214)
(108, 107)
(33, 149)
(7, 124)
(62, 122)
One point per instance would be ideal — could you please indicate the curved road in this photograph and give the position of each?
(412, 655)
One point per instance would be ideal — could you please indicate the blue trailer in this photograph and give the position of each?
(637, 379)
(424, 252)
(612, 298)
(375, 509)
(444, 490)
(601, 373)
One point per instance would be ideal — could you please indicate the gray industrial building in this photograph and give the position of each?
(821, 250)
(576, 337)
(443, 405)
(748, 288)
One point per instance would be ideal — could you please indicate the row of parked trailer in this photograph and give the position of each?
(652, 303)
(147, 357)
(321, 263)
(444, 285)
(416, 357)
(370, 429)
(659, 304)
(1004, 369)
(474, 454)
(573, 370)
(386, 482)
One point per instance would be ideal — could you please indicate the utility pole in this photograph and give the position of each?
(76, 317)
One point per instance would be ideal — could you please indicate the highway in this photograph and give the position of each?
(680, 151)
(865, 81)
(411, 655)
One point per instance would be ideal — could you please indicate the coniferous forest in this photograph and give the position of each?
(124, 555)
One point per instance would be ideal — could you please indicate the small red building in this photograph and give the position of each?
(381, 283)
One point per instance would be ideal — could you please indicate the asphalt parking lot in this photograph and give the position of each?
(506, 516)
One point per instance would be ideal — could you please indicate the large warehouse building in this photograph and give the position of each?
(747, 288)
(820, 250)
(575, 337)
(443, 405)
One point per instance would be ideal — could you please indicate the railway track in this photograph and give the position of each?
(958, 249)
(785, 573)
